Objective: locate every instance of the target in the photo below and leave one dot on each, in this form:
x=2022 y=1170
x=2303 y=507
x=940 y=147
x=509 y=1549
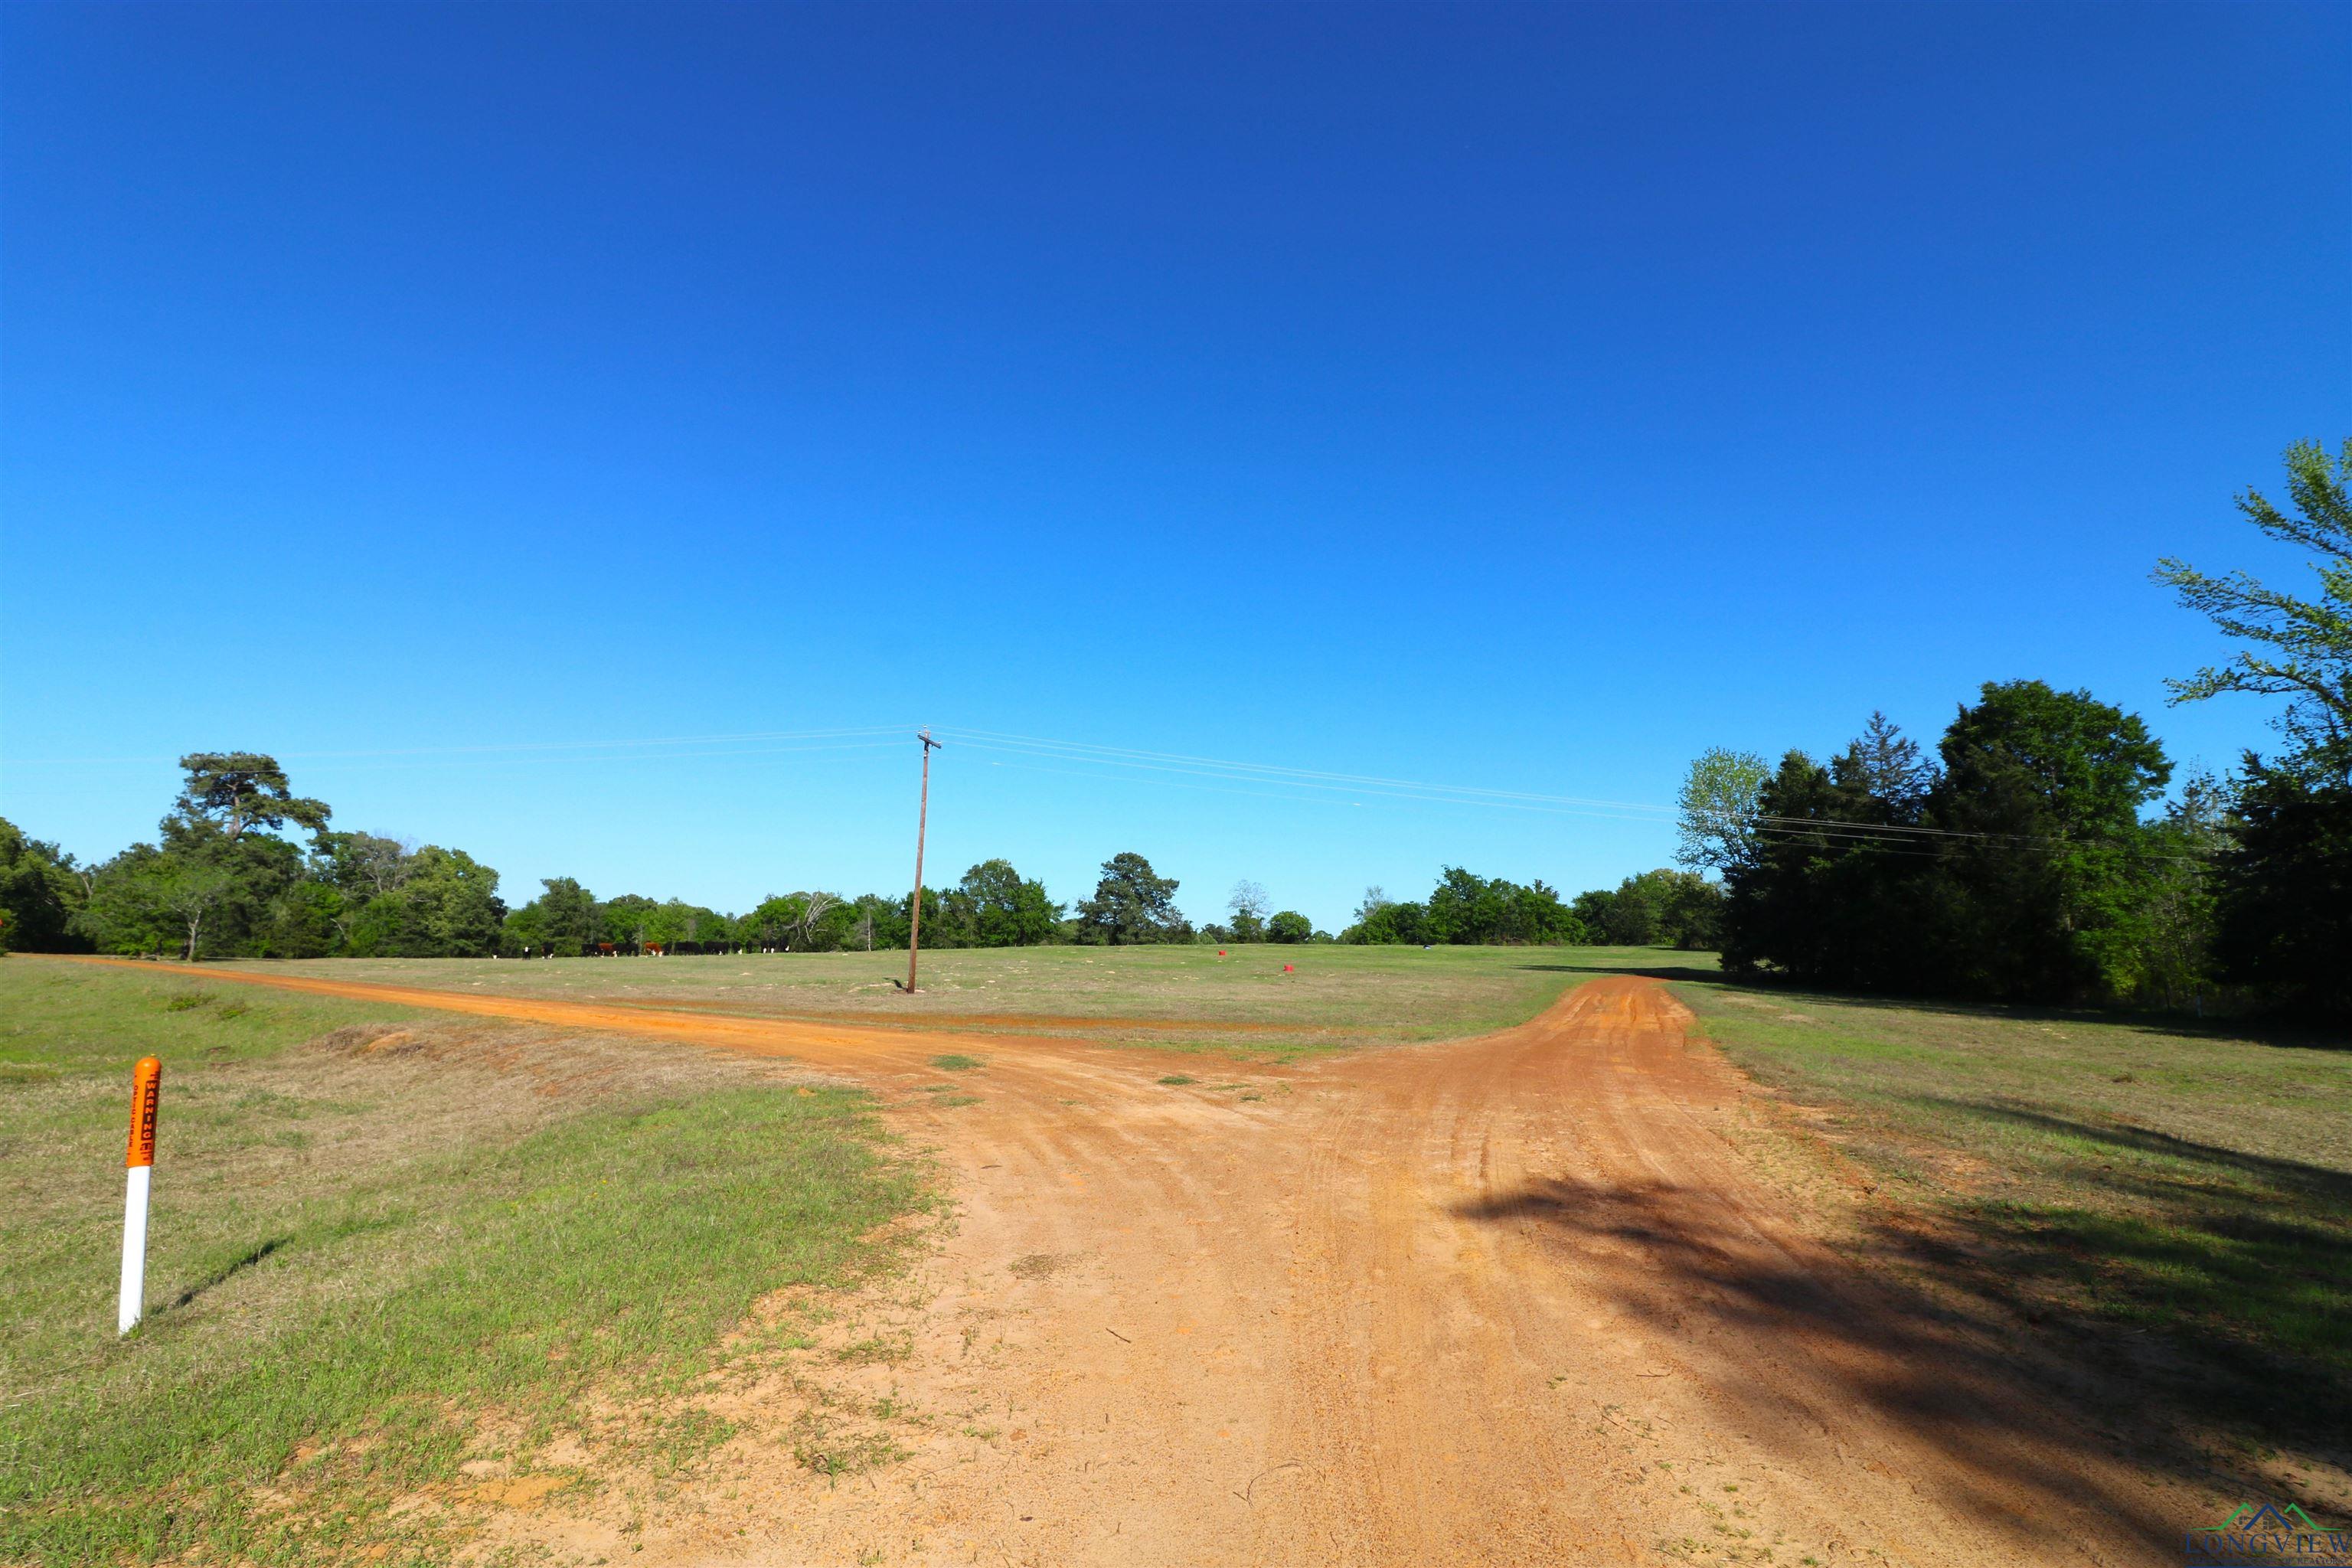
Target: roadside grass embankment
x=401 y=1265
x=1169 y=998
x=2178 y=1196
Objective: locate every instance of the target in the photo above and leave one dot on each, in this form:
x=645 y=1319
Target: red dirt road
x=1514 y=1300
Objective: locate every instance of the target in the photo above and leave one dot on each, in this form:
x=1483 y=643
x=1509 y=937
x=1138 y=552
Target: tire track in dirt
x=1511 y=1299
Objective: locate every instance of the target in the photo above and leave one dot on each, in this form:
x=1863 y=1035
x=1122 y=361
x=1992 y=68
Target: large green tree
x=2046 y=868
x=1468 y=908
x=237 y=792
x=2283 y=881
x=563 y=922
x=2021 y=870
x=39 y=895
x=146 y=900
x=1384 y=922
x=1007 y=909
x=1132 y=904
x=2285 y=892
x=446 y=907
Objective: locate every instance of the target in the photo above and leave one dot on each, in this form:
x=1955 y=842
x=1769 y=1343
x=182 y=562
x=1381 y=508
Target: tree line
x=225 y=880
x=2037 y=852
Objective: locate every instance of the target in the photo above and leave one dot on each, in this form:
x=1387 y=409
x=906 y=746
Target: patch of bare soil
x=1541 y=1297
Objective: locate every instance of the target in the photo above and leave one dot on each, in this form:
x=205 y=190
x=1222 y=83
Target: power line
x=538 y=746
x=1327 y=786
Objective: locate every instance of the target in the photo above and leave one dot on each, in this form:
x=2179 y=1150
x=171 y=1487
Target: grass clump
x=954 y=1063
x=1178 y=1079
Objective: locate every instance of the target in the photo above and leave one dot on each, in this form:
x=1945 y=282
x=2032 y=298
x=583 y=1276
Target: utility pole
x=915 y=907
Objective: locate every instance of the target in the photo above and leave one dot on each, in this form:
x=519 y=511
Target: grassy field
x=1170 y=997
x=391 y=1251
x=356 y=1201
x=2179 y=1195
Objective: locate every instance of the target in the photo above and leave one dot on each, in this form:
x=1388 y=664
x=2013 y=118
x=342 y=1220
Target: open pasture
x=2112 y=1252
x=1182 y=997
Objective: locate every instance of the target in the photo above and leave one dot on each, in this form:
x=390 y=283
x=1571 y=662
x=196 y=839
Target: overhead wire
x=1324 y=785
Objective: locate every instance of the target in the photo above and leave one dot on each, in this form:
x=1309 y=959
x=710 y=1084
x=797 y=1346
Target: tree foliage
x=1466 y=907
x=39 y=894
x=1132 y=904
x=2299 y=649
x=2285 y=891
x=2282 y=877
x=1716 y=826
x=1662 y=907
x=2021 y=870
x=235 y=791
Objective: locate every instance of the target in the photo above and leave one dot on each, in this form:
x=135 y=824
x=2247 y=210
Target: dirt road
x=1526 y=1299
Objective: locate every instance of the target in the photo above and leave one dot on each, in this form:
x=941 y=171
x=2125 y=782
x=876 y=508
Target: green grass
x=2150 y=1180
x=956 y=1063
x=1171 y=998
x=380 y=1247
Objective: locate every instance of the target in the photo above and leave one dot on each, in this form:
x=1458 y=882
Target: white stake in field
x=146 y=1087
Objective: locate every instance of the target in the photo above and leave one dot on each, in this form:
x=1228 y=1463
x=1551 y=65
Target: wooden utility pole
x=915 y=907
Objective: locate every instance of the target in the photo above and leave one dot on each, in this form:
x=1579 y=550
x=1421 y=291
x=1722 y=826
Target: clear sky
x=1514 y=399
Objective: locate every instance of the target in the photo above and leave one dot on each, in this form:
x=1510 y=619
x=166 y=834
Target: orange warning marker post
x=146 y=1088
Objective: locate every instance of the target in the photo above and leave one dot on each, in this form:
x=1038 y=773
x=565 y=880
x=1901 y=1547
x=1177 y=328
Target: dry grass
x=1167 y=997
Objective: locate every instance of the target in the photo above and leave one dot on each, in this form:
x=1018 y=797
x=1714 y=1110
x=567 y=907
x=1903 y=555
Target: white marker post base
x=134 y=1250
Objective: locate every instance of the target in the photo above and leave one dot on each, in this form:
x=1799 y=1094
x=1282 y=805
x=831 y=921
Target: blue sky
x=1521 y=398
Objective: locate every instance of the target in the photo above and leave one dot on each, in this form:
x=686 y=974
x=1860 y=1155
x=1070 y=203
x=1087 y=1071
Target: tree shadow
x=2320 y=1181
x=2242 y=1261
x=1948 y=1337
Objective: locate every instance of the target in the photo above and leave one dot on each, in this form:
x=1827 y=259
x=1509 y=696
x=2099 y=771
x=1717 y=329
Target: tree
x=1248 y=904
x=2024 y=871
x=2046 y=865
x=365 y=864
x=877 y=922
x=1005 y=910
x=2285 y=894
x=235 y=791
x=39 y=894
x=2179 y=907
x=2302 y=648
x=1132 y=904
x=450 y=906
x=626 y=921
x=146 y=897
x=311 y=918
x=1390 y=923
x=1662 y=907
x=813 y=906
x=1889 y=766
x=566 y=919
x=1468 y=908
x=2278 y=895
x=1719 y=808
x=1374 y=901
x=1289 y=926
